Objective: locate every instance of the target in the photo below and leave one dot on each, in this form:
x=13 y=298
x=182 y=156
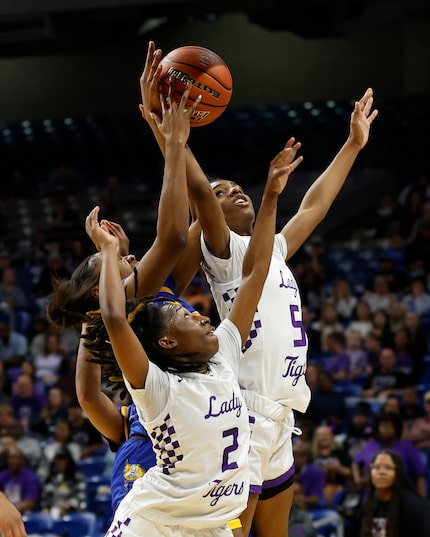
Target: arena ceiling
x=50 y=27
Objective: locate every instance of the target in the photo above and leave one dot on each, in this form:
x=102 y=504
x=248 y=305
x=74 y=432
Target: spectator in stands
x=26 y=403
x=379 y=297
x=6 y=442
x=7 y=418
x=387 y=434
x=362 y=319
x=373 y=348
x=381 y=326
x=328 y=322
x=332 y=459
x=417 y=431
x=392 y=506
x=396 y=278
x=337 y=359
x=311 y=289
x=417 y=345
x=388 y=217
x=343 y=299
x=401 y=350
x=300 y=523
x=418 y=251
x=357 y=356
x=12 y=296
x=422 y=220
x=411 y=407
x=397 y=316
x=64 y=489
x=51 y=364
x=412 y=211
x=29 y=445
x=42 y=328
x=83 y=432
x=19 y=483
x=77 y=250
x=310 y=476
x=28 y=368
x=392 y=405
x=327 y=405
x=417 y=299
x=62 y=439
x=420 y=184
x=13 y=347
x=386 y=378
x=54 y=410
x=56 y=267
x=359 y=429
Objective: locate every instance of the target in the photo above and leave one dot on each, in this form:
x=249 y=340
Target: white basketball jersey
x=201 y=441
x=274 y=362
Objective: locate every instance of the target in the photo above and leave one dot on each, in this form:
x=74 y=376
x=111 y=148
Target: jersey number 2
x=226 y=465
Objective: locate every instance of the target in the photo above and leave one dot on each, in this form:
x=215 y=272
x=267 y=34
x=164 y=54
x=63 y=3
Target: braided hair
x=148 y=317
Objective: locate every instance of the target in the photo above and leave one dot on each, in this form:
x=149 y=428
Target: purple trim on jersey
x=271 y=483
x=115 y=530
x=228 y=298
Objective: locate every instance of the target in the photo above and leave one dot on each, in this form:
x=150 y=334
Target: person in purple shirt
x=337 y=360
x=27 y=404
x=310 y=476
x=387 y=433
x=20 y=484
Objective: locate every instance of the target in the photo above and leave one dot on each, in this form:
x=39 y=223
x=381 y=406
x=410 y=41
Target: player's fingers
x=185 y=95
x=295 y=163
x=149 y=54
x=190 y=111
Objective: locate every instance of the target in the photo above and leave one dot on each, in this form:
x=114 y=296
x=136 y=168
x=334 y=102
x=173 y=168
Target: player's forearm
x=259 y=251
x=173 y=210
x=325 y=189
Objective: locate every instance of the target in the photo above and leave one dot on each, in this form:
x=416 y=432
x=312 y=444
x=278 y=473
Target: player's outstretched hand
x=98 y=233
x=175 y=120
x=282 y=166
x=149 y=83
x=361 y=118
x=117 y=230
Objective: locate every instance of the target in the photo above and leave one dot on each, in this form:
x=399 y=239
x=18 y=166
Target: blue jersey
x=133 y=456
x=168 y=290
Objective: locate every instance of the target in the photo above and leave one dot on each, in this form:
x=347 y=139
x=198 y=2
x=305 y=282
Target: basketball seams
x=195 y=63
x=191 y=98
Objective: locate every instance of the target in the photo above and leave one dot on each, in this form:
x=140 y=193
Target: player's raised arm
x=321 y=195
x=259 y=252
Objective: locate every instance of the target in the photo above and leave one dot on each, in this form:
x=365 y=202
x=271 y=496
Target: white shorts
x=142 y=527
x=271 y=458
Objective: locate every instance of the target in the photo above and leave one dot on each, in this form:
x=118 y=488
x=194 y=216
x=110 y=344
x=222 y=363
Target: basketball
x=210 y=77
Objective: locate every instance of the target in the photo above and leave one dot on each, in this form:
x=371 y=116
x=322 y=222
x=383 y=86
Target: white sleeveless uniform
x=272 y=372
x=198 y=424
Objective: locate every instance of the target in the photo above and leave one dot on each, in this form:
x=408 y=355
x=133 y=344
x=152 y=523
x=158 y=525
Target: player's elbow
x=178 y=242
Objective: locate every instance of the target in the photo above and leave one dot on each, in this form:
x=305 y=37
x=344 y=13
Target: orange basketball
x=210 y=76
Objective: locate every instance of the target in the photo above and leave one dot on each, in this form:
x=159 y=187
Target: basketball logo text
x=184 y=77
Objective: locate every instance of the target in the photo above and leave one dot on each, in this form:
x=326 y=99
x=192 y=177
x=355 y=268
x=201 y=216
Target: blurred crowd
x=366 y=311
